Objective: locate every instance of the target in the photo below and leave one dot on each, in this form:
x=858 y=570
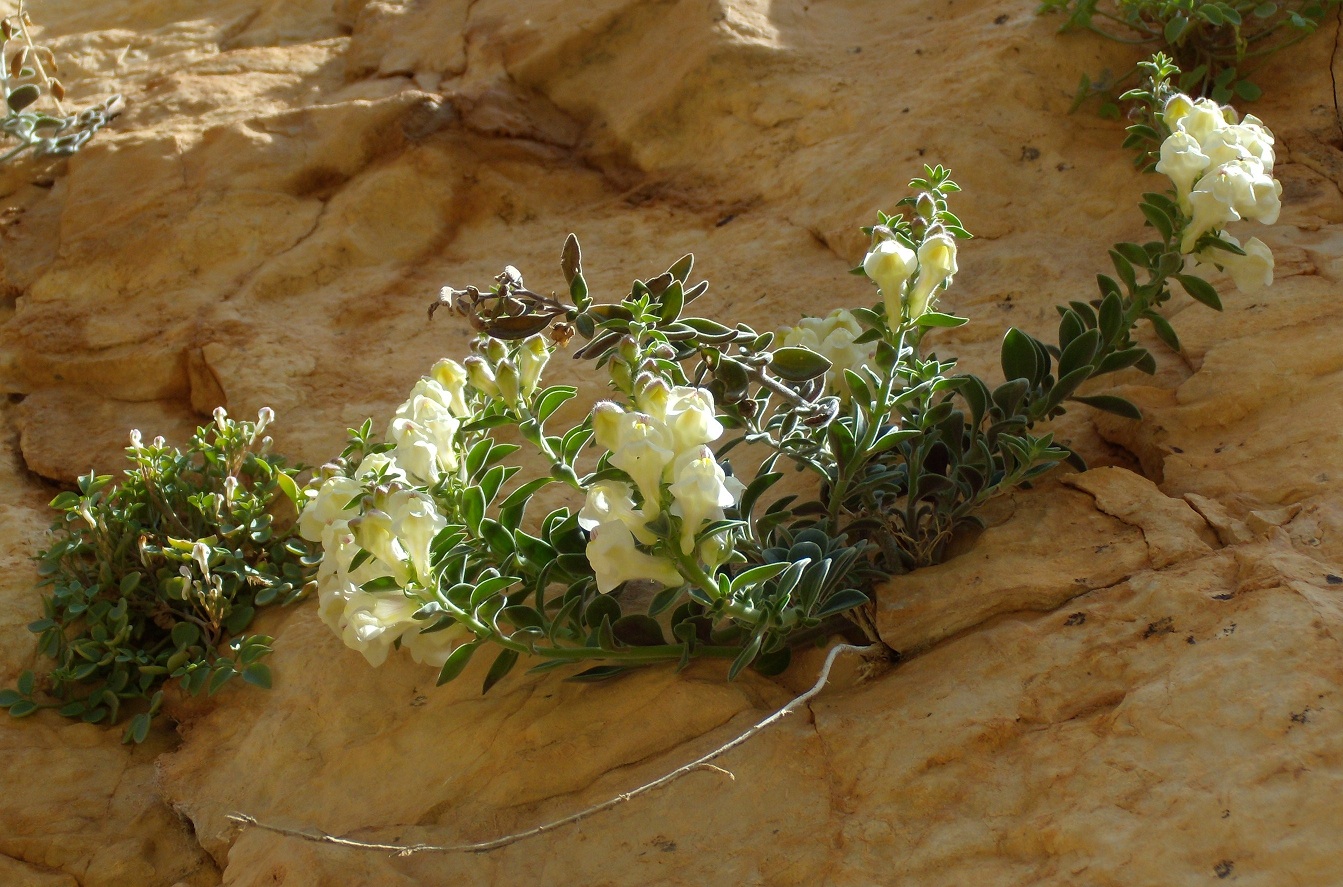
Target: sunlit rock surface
x=1127 y=680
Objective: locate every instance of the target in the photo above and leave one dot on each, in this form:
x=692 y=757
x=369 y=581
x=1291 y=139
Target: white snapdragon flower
x=425 y=432
x=451 y=375
x=640 y=446
x=616 y=559
x=371 y=623
x=1250 y=272
x=1236 y=190
x=891 y=264
x=610 y=500
x=832 y=337
x=327 y=505
x=533 y=355
x=692 y=418
x=415 y=522
x=1249 y=138
x=1183 y=161
x=700 y=490
x=937 y=264
x=1197 y=117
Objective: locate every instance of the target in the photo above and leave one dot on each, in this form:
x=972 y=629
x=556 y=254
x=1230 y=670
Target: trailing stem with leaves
x=34 y=115
x=157 y=578
x=1219 y=44
x=667 y=550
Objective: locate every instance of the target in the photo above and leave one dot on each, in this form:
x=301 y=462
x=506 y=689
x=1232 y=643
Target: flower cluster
x=662 y=448
x=909 y=279
x=1222 y=169
x=833 y=337
x=376 y=529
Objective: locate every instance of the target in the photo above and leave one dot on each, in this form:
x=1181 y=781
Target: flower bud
x=532 y=359
x=230 y=488
x=481 y=377
x=620 y=375
x=926 y=207
x=495 y=350
x=263 y=418
x=628 y=350
x=606 y=425
x=220 y=415
x=652 y=394
x=509 y=380
x=200 y=553
x=135 y=438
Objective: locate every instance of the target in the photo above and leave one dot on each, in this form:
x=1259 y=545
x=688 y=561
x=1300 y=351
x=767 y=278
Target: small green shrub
x=1218 y=44
x=158 y=577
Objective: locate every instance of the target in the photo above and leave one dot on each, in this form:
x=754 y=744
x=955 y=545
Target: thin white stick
x=485 y=846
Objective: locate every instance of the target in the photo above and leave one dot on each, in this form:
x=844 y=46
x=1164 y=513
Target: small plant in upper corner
x=1218 y=44
x=665 y=551
x=158 y=577
x=34 y=114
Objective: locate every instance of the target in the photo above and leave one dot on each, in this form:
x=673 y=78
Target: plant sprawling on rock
x=666 y=552
x=151 y=576
x=1218 y=44
x=24 y=82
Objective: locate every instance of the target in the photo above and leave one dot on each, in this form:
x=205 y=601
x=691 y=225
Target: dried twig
x=485 y=846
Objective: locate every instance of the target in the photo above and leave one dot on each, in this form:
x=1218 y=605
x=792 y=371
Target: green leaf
x=638 y=631
x=757 y=575
x=1248 y=91
x=27 y=680
x=258 y=675
x=1200 y=290
x=22 y=708
x=137 y=730
x=1111 y=404
x=9 y=697
x=552 y=399
x=456 y=662
x=503 y=664
x=840 y=602
x=222 y=673
x=22 y=96
x=797 y=364
x=596 y=673
x=680 y=269
x=934 y=319
x=1019 y=357
x=1175 y=29
x=288 y=487
x=745 y=657
x=1165 y=332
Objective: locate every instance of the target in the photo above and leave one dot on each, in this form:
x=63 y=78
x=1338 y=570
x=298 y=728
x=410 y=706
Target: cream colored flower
x=1237 y=190
x=700 y=491
x=451 y=376
x=890 y=264
x=832 y=337
x=533 y=355
x=1250 y=272
x=615 y=559
x=610 y=500
x=1183 y=161
x=937 y=264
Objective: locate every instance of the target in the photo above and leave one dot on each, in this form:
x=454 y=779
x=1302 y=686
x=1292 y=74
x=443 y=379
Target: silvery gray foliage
x=25 y=82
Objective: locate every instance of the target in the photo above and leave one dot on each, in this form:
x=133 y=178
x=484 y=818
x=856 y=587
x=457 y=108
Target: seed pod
x=17 y=61
x=7 y=29
x=50 y=59
x=57 y=89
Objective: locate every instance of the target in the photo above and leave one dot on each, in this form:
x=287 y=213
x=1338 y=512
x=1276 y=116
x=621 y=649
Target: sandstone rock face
x=1132 y=677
